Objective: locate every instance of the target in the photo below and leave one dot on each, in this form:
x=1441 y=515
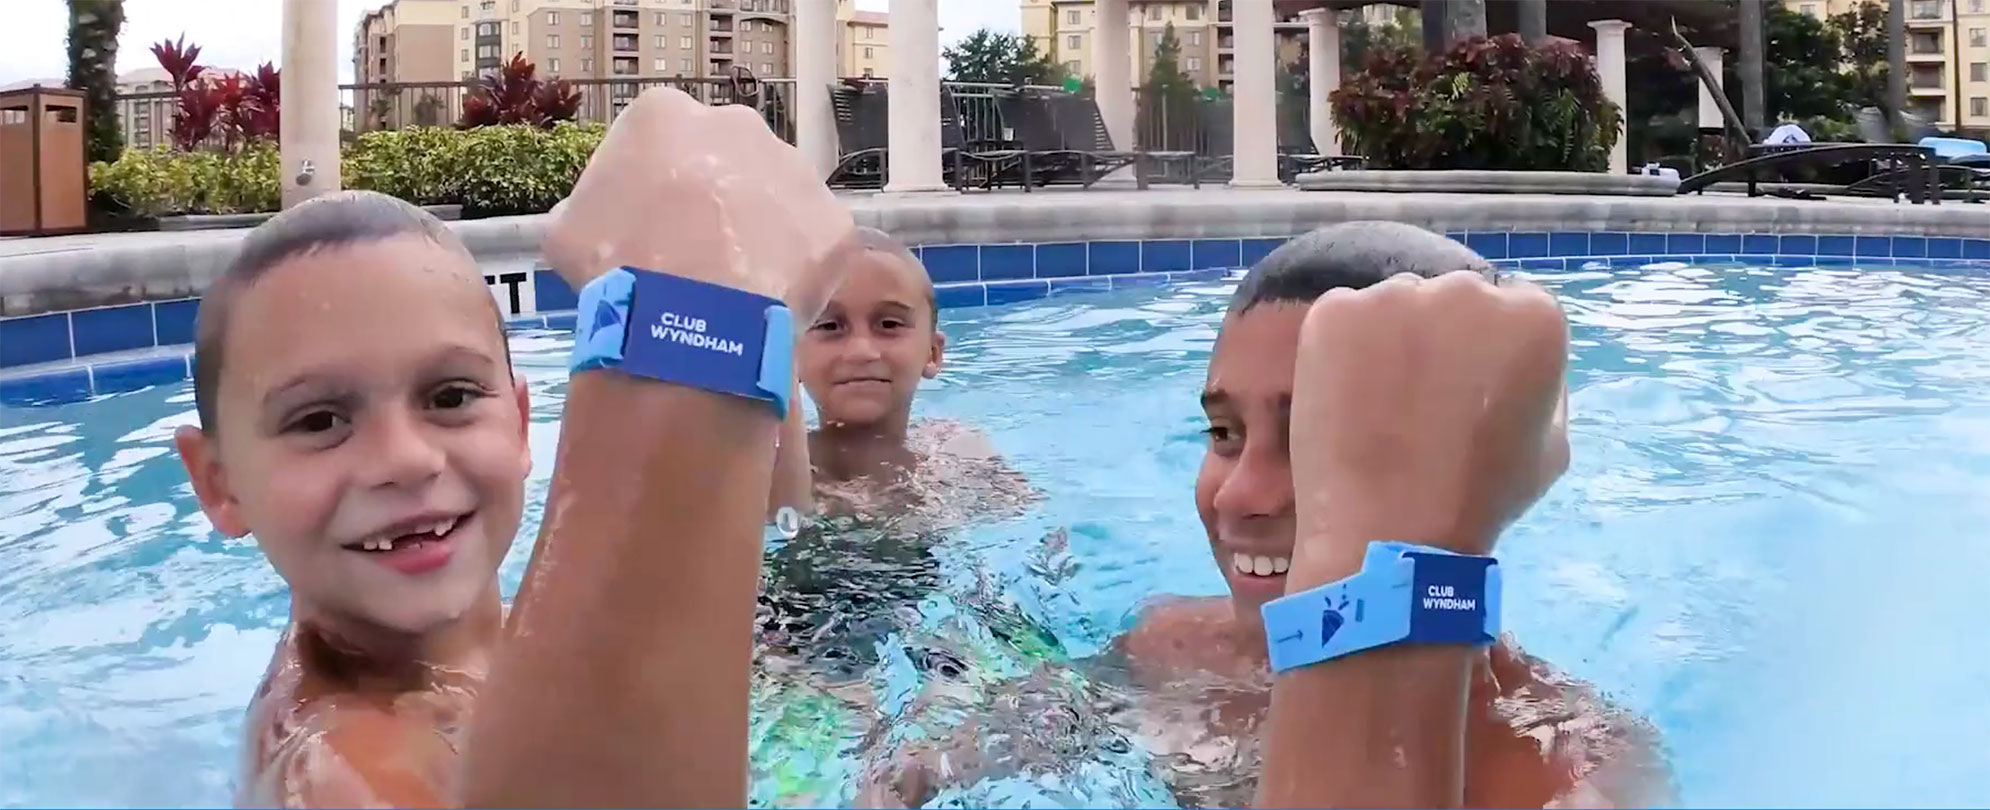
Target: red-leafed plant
x=1486 y=103
x=178 y=60
x=238 y=109
x=260 y=111
x=514 y=95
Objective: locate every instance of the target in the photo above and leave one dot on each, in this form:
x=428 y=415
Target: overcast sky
x=242 y=33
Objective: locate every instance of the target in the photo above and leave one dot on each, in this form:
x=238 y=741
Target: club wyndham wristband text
x=1403 y=593
x=688 y=332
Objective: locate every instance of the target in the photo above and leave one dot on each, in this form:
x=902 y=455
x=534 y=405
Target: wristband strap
x=688 y=332
x=1404 y=592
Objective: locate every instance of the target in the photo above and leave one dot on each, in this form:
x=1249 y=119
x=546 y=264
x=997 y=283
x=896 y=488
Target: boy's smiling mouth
x=415 y=546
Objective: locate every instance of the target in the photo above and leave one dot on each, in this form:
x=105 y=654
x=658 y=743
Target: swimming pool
x=1770 y=541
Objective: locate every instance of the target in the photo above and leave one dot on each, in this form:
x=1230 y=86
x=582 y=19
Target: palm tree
x=93 y=30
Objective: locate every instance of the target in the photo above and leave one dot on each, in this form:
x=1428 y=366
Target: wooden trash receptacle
x=42 y=174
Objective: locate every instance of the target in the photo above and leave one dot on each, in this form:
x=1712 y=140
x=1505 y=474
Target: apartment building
x=1948 y=57
x=864 y=43
x=1063 y=29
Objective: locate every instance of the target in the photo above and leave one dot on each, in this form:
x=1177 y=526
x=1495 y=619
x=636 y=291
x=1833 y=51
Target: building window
x=488 y=5
x=1809 y=9
x=1977 y=105
x=1976 y=71
x=867 y=33
x=1195 y=38
x=662 y=42
x=1073 y=42
x=684 y=66
x=514 y=6
x=587 y=19
x=684 y=42
x=587 y=42
x=1071 y=17
x=1976 y=37
x=466 y=12
x=684 y=19
x=766 y=68
x=464 y=33
x=767 y=47
x=868 y=54
x=662 y=18
x=1976 y=6
x=552 y=18
x=487 y=30
x=660 y=64
x=1925 y=10
x=1195 y=12
x=553 y=66
x=587 y=66
x=466 y=55
x=1194 y=63
x=553 y=41
x=514 y=27
x=1072 y=67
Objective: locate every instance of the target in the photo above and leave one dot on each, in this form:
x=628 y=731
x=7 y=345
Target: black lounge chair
x=863 y=130
x=1065 y=140
x=1298 y=154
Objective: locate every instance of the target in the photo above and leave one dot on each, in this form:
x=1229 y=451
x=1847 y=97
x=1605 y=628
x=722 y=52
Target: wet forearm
x=794 y=478
x=642 y=590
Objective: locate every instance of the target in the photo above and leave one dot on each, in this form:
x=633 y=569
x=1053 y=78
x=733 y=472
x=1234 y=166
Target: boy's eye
x=1222 y=436
x=320 y=421
x=891 y=323
x=456 y=396
x=825 y=326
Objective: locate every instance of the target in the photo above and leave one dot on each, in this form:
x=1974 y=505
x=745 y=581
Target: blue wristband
x=688 y=332
x=1403 y=593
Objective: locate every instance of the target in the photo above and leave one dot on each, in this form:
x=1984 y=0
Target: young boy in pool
x=1513 y=731
x=359 y=416
x=861 y=363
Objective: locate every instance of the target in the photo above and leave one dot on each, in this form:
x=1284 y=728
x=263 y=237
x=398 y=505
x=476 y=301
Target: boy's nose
x=862 y=347
x=399 y=452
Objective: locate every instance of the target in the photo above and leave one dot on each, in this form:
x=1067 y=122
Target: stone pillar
x=1534 y=21
x=1255 y=100
x=1610 y=70
x=308 y=137
x=1112 y=69
x=1322 y=76
x=815 y=32
x=915 y=98
x=1710 y=110
x=1753 y=108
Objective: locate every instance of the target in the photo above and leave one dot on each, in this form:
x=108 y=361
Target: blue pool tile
x=34 y=339
x=1007 y=262
x=1609 y=243
x=111 y=329
x=1210 y=254
x=1114 y=258
x=1756 y=259
x=1646 y=244
x=1163 y=255
x=1728 y=243
x=1909 y=247
x=1543 y=264
x=173 y=321
x=1490 y=244
x=1060 y=259
x=1944 y=247
x=1526 y=244
x=1873 y=246
x=1760 y=244
x=560 y=320
x=131 y=375
x=1976 y=248
x=1839 y=261
x=1139 y=280
x=1256 y=249
x=1798 y=245
x=1835 y=246
x=1686 y=243
x=517 y=323
x=1573 y=243
x=949 y=264
x=1005 y=292
x=960 y=295
x=550 y=293
x=1458 y=236
x=1070 y=286
x=66 y=385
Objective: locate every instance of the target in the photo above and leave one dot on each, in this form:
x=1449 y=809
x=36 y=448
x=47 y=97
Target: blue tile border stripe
x=59 y=356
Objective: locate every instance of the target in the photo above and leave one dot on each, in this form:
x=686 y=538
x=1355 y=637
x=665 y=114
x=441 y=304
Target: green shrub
x=511 y=169
x=1487 y=103
x=161 y=182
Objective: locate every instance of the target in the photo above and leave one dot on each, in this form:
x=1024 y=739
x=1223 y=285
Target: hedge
x=487 y=170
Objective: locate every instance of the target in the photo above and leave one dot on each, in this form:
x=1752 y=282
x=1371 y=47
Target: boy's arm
x=794 y=479
x=1425 y=411
x=623 y=679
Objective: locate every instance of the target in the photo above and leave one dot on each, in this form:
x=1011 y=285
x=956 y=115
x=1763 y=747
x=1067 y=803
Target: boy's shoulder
x=955 y=440
x=1175 y=634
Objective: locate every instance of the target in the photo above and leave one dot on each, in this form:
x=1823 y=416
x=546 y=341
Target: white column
x=1610 y=71
x=815 y=35
x=1256 y=97
x=1710 y=111
x=1323 y=76
x=308 y=136
x=915 y=98
x=1112 y=70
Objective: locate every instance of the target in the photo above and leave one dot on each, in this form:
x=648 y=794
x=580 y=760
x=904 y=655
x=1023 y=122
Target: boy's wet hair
x=878 y=241
x=1351 y=255
x=329 y=221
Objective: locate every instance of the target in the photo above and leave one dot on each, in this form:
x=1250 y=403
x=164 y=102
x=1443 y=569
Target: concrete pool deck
x=52 y=274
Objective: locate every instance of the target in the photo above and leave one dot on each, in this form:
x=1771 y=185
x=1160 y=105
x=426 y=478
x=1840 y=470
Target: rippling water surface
x=1771 y=541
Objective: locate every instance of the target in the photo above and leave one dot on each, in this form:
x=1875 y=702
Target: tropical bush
x=1486 y=103
x=507 y=169
x=235 y=109
x=513 y=94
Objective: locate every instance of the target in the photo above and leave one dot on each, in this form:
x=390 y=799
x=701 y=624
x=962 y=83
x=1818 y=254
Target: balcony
x=623 y=66
x=625 y=19
x=625 y=43
x=722 y=26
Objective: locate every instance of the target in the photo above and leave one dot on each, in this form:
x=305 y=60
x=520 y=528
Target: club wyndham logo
x=1332 y=618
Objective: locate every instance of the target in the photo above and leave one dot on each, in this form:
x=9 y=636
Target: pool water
x=1771 y=542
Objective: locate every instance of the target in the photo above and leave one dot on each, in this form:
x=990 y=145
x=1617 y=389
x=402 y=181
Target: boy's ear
x=937 y=357
x=210 y=483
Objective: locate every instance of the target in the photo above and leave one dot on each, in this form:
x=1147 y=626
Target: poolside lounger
x=1298 y=154
x=863 y=125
